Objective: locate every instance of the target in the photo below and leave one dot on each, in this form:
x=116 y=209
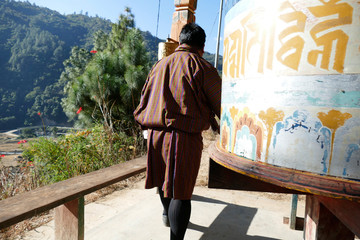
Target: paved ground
x=135 y=213
x=216 y=214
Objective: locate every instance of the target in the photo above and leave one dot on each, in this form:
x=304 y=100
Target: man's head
x=193 y=35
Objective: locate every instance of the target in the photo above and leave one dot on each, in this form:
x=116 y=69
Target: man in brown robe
x=179 y=100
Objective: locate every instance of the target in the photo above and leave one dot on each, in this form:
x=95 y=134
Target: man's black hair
x=193 y=35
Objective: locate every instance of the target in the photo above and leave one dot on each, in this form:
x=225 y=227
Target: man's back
x=182 y=92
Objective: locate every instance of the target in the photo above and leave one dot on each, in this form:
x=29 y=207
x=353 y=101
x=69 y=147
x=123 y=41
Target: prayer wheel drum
x=291 y=90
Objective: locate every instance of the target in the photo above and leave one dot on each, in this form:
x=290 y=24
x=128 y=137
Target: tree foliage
x=35 y=42
x=108 y=88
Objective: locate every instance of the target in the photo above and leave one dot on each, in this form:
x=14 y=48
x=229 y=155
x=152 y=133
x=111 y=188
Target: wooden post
x=184 y=13
x=69 y=220
x=348 y=212
x=294 y=202
x=321 y=224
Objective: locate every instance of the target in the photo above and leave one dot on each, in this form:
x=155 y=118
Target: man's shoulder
x=190 y=56
x=196 y=57
x=207 y=63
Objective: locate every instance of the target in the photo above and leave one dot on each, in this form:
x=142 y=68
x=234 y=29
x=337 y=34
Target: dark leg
x=179 y=216
x=166 y=203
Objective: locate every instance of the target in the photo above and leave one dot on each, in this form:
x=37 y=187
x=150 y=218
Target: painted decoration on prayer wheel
x=291 y=84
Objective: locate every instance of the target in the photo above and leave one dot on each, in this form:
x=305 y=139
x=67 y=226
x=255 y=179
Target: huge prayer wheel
x=291 y=93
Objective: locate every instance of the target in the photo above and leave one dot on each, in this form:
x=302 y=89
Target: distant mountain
x=34 y=43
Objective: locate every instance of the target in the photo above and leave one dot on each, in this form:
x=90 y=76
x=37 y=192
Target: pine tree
x=108 y=90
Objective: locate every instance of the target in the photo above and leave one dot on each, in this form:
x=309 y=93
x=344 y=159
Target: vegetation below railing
x=17 y=211
x=49 y=160
x=14 y=180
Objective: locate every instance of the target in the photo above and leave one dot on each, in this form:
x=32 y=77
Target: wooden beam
x=16 y=209
x=309 y=183
x=321 y=224
x=224 y=178
x=348 y=212
x=69 y=220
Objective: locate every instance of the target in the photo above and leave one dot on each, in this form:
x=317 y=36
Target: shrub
x=78 y=153
x=27 y=133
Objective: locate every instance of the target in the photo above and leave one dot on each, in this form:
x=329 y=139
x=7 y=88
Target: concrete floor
x=216 y=214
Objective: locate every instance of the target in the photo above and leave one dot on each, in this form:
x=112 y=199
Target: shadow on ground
x=232 y=223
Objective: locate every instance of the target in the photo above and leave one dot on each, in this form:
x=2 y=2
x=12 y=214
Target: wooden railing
x=67 y=197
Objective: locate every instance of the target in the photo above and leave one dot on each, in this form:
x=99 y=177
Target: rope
x=157 y=24
x=215 y=18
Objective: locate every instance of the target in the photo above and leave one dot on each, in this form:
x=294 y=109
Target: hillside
x=34 y=42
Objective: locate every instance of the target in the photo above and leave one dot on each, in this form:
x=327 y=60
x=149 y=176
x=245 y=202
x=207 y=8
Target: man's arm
x=212 y=89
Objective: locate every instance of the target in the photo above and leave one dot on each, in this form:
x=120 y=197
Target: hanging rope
x=212 y=28
x=158 y=17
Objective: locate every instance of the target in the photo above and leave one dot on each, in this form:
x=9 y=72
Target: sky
x=146 y=14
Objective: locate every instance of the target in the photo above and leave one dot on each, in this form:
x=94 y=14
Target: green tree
x=120 y=29
x=136 y=61
x=75 y=65
x=109 y=88
x=34 y=43
x=100 y=40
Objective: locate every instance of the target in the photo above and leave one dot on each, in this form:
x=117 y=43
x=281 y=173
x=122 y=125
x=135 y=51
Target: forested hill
x=34 y=43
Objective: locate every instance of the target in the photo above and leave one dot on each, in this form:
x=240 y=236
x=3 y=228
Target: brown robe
x=179 y=99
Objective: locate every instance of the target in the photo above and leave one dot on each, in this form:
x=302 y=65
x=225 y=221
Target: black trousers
x=178 y=212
